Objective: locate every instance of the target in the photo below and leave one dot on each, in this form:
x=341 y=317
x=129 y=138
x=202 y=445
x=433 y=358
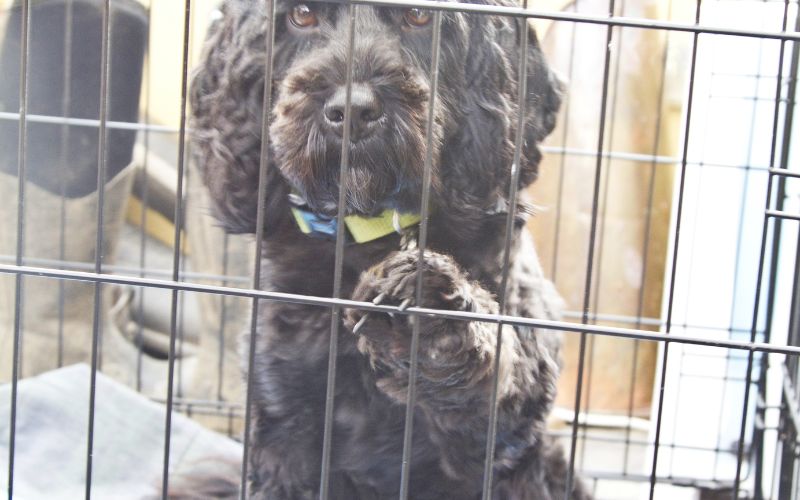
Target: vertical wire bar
x=177 y=243
x=680 y=372
x=18 y=285
x=689 y=263
x=646 y=240
x=64 y=158
x=98 y=255
x=145 y=195
x=223 y=312
x=796 y=478
x=673 y=272
x=590 y=258
x=777 y=231
x=186 y=153
x=266 y=105
x=181 y=314
x=563 y=159
x=181 y=324
x=522 y=94
x=601 y=238
x=775 y=461
x=763 y=251
x=411 y=399
x=729 y=356
x=336 y=312
x=690 y=266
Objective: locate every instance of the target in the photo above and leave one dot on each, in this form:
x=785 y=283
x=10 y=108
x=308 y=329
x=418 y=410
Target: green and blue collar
x=358 y=229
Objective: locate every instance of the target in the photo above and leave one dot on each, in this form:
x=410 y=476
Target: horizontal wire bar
x=746 y=98
x=639 y=442
x=676 y=480
x=88 y=122
x=621 y=21
x=147 y=271
x=156 y=272
x=616 y=155
x=784 y=172
x=227 y=405
x=645 y=158
x=778 y=214
x=232 y=279
x=225 y=408
x=719 y=378
x=616 y=318
x=756 y=76
x=218 y=413
x=629 y=333
x=632 y=319
x=714 y=356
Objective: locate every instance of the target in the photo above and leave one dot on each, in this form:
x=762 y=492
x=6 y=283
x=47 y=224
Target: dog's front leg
x=457 y=359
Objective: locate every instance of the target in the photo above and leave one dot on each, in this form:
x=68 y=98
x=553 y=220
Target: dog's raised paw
x=393 y=281
x=386 y=338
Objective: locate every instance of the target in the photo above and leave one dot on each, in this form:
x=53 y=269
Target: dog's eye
x=303 y=16
x=417 y=17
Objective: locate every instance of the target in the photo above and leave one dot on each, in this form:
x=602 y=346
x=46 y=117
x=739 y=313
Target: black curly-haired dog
x=475 y=116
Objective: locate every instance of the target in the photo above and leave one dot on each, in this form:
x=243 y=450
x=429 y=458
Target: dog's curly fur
x=475 y=116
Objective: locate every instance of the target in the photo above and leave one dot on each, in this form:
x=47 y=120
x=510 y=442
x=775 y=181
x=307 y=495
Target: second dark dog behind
x=475 y=116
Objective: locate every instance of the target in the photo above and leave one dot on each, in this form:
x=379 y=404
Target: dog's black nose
x=366 y=111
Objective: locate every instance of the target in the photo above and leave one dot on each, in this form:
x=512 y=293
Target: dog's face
x=389 y=101
x=475 y=110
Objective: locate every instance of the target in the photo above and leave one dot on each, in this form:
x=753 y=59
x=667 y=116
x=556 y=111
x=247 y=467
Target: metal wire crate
x=721 y=409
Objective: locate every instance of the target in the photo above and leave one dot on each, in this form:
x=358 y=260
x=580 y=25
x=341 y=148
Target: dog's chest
x=367 y=439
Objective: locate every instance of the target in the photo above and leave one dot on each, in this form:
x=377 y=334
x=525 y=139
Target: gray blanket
x=51 y=438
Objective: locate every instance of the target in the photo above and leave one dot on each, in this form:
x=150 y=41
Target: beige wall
x=166 y=53
x=627 y=278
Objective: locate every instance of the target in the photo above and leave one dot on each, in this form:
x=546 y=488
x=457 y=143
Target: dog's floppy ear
x=477 y=159
x=544 y=90
x=226 y=98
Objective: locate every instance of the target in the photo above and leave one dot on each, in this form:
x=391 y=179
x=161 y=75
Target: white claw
x=360 y=323
x=404 y=305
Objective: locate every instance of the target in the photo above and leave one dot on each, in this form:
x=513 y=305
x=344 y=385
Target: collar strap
x=360 y=229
